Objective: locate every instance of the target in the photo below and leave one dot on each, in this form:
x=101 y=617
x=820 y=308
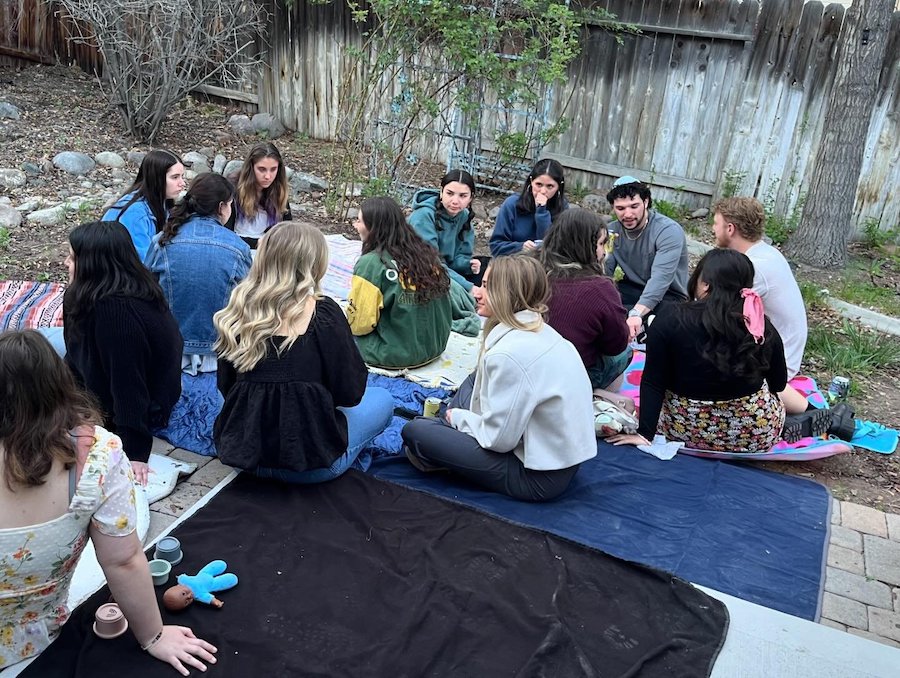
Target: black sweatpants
x=437 y=443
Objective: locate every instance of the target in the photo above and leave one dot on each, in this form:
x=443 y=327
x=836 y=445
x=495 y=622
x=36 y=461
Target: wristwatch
x=634 y=313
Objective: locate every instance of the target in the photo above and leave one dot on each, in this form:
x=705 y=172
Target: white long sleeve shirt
x=531 y=397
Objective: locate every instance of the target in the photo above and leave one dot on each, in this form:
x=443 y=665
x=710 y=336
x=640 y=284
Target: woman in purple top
x=585 y=306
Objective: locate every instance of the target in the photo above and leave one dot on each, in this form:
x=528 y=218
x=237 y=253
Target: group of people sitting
x=162 y=292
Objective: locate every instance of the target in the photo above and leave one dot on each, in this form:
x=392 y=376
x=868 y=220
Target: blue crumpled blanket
x=191 y=423
x=407 y=396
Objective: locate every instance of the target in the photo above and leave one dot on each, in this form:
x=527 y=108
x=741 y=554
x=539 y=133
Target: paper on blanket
x=342 y=256
x=456 y=363
x=661 y=448
x=163 y=476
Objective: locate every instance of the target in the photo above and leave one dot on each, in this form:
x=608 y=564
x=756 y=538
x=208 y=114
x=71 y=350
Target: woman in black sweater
x=122 y=342
x=715 y=365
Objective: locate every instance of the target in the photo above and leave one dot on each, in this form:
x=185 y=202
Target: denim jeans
x=364 y=422
x=55 y=336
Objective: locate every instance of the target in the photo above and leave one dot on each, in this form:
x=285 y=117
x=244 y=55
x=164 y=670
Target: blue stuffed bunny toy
x=210 y=579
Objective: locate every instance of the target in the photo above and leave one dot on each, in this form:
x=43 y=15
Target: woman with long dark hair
x=122 y=342
x=527 y=425
x=525 y=218
x=585 y=306
x=400 y=293
x=715 y=365
x=198 y=261
x=443 y=219
x=261 y=194
x=144 y=208
x=63 y=479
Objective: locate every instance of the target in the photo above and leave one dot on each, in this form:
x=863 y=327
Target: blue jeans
x=364 y=422
x=55 y=336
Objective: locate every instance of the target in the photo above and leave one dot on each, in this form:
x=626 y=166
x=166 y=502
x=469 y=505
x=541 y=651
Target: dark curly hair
x=636 y=188
x=460 y=177
x=418 y=263
x=730 y=346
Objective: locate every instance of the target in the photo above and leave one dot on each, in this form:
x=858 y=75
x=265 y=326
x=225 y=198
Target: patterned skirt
x=749 y=424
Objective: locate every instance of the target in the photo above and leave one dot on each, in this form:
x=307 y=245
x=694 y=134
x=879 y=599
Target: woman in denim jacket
x=198 y=261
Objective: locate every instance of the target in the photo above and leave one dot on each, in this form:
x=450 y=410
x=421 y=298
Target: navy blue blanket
x=754 y=534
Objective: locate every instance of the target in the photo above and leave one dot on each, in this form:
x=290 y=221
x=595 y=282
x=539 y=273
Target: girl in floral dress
x=715 y=365
x=64 y=480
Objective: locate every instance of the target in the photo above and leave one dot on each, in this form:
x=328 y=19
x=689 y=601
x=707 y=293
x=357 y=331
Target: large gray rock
x=193 y=157
x=219 y=164
x=268 y=125
x=74 y=162
x=7 y=110
x=594 y=202
x=233 y=167
x=9 y=217
x=208 y=152
x=241 y=125
x=109 y=159
x=135 y=157
x=493 y=212
x=200 y=168
x=48 y=217
x=701 y=213
x=304 y=182
x=12 y=178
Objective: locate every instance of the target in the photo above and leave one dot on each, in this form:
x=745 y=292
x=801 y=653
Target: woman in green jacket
x=399 y=306
x=443 y=219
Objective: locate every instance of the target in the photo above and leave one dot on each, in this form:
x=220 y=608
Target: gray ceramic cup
x=169 y=548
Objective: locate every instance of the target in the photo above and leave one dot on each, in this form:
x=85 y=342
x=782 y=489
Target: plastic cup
x=109 y=622
x=159 y=571
x=169 y=548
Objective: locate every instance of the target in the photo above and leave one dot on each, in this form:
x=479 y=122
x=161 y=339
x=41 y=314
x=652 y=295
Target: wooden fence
x=709 y=91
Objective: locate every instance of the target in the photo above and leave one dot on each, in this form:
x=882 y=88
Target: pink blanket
x=26 y=304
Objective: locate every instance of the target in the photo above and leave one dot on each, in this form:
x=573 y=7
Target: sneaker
x=843 y=424
x=810 y=424
x=419 y=463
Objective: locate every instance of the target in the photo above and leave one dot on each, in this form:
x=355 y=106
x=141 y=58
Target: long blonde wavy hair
x=516 y=283
x=288 y=270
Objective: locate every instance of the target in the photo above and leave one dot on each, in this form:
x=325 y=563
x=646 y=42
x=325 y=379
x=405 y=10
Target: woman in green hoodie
x=443 y=220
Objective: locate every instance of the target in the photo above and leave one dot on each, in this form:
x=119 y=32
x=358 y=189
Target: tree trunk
x=824 y=232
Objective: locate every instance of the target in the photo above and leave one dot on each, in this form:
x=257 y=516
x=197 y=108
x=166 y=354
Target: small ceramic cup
x=159 y=571
x=109 y=622
x=169 y=548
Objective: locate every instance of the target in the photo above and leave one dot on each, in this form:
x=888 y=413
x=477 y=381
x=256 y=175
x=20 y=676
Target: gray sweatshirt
x=656 y=260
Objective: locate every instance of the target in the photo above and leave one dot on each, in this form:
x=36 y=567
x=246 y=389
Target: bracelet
x=153 y=642
x=634 y=313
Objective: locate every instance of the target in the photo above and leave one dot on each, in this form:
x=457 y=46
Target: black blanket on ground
x=361 y=577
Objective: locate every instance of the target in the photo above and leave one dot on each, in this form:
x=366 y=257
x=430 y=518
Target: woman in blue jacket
x=442 y=219
x=524 y=219
x=198 y=261
x=143 y=210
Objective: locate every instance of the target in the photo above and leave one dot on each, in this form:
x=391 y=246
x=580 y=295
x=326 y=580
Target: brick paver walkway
x=862 y=583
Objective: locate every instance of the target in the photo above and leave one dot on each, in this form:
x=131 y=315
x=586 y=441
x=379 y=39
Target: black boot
x=811 y=424
x=843 y=421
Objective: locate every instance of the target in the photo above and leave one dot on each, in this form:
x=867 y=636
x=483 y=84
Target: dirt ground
x=62 y=109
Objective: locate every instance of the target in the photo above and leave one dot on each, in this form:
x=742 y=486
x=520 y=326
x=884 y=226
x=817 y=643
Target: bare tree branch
x=156 y=51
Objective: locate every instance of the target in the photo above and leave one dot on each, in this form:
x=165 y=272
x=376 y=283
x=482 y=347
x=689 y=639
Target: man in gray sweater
x=651 y=250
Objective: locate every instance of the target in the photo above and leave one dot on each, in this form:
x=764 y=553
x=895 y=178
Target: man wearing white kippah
x=651 y=250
